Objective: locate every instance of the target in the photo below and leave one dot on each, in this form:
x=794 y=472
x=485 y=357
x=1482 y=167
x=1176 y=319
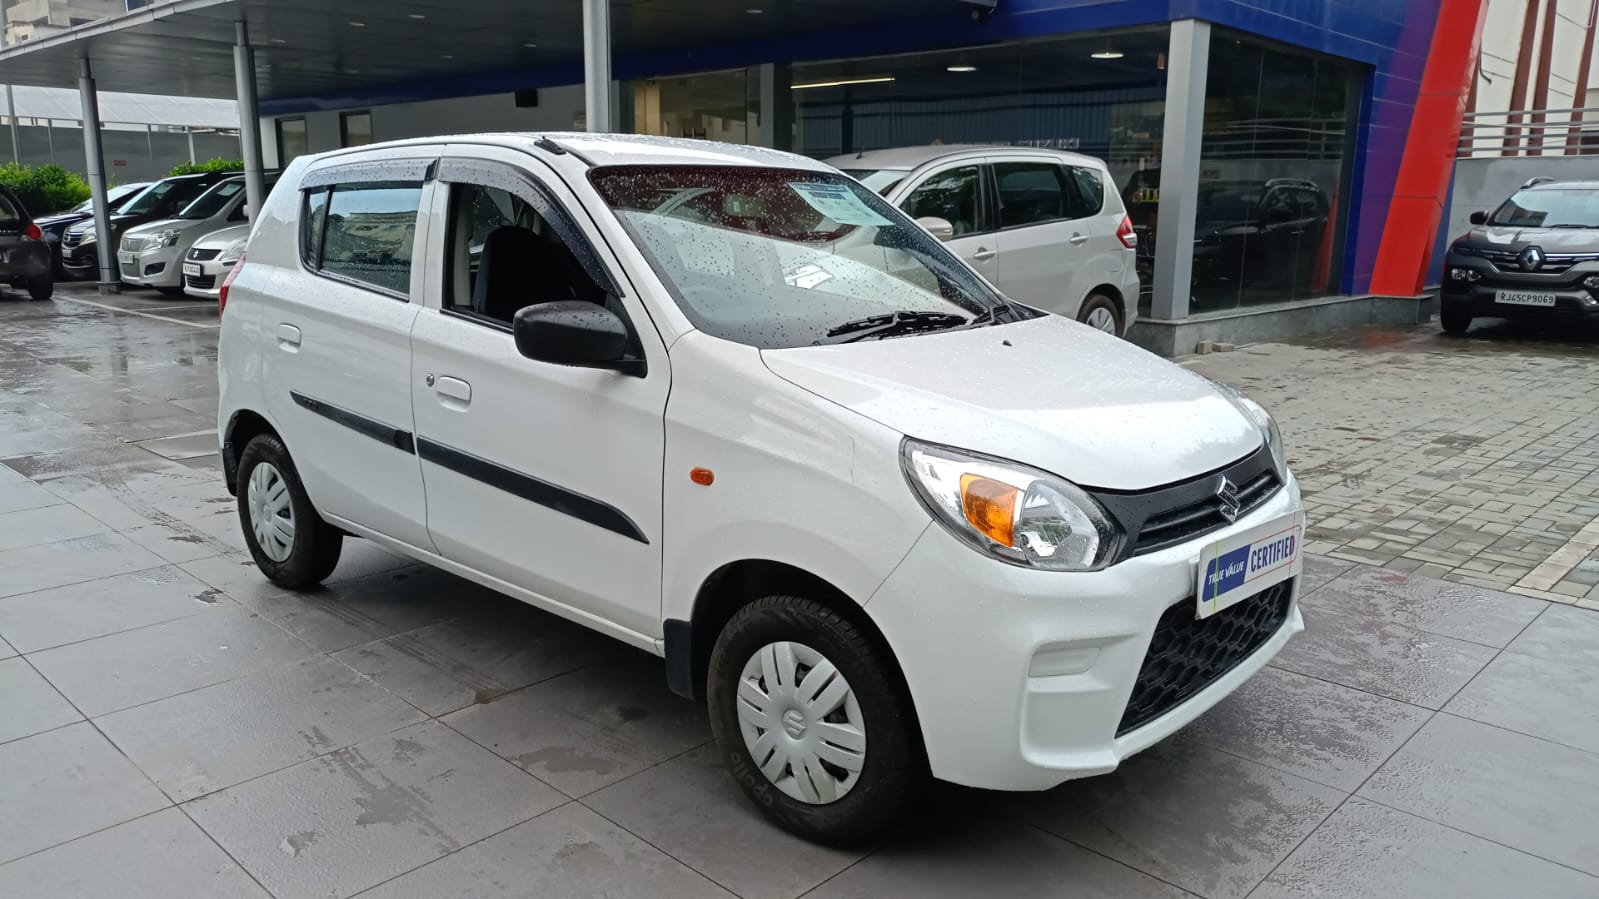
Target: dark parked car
x=53 y=226
x=161 y=200
x=1536 y=256
x=1257 y=232
x=24 y=256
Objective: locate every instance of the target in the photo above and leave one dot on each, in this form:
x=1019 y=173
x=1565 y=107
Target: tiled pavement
x=171 y=725
x=1472 y=460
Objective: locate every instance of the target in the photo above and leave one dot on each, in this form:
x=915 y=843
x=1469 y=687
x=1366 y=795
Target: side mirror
x=1479 y=218
x=940 y=228
x=575 y=333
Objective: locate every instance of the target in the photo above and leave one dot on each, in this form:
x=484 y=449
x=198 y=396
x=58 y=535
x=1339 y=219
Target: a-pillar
x=1188 y=62
x=95 y=164
x=249 y=118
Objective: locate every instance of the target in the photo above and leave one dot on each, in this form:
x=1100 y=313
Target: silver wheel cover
x=801 y=723
x=1101 y=319
x=271 y=514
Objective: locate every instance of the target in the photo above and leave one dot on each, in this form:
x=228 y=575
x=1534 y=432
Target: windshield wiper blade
x=1572 y=225
x=906 y=322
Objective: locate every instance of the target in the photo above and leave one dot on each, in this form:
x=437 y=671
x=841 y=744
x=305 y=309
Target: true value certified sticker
x=1244 y=564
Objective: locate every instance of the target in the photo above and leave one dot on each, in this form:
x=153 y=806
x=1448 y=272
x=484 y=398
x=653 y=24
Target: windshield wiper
x=892 y=324
x=1571 y=225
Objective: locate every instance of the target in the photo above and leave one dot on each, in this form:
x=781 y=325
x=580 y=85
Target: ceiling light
x=1108 y=54
x=357 y=24
x=754 y=12
x=961 y=68
x=416 y=15
x=279 y=40
x=447 y=56
x=878 y=79
x=530 y=46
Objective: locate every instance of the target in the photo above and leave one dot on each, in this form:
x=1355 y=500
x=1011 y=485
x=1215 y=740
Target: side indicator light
x=702 y=476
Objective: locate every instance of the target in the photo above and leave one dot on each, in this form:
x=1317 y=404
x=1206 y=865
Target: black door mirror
x=1479 y=218
x=576 y=333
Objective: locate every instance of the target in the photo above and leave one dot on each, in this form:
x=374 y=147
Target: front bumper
x=151 y=267
x=1479 y=301
x=1020 y=678
x=208 y=283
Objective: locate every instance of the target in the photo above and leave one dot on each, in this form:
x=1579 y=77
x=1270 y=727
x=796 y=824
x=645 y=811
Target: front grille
x=132 y=244
x=200 y=282
x=199 y=255
x=70 y=240
x=1510 y=260
x=1188 y=654
x=130 y=270
x=1176 y=513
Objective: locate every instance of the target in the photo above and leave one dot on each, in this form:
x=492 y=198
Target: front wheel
x=1455 y=321
x=809 y=718
x=1101 y=313
x=289 y=541
x=42 y=289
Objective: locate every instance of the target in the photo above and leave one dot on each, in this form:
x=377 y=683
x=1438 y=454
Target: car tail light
x=222 y=293
x=1126 y=234
x=32 y=232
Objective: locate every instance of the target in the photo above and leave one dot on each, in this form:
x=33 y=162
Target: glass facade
x=1274 y=174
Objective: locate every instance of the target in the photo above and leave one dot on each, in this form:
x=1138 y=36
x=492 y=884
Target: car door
x=1043 y=253
x=957 y=193
x=544 y=476
x=337 y=328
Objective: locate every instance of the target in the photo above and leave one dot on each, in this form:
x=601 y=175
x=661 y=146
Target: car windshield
x=164 y=197
x=781 y=258
x=1567 y=207
x=880 y=180
x=1227 y=201
x=212 y=201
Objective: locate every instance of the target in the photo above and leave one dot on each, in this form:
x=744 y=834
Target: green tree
x=210 y=165
x=44 y=189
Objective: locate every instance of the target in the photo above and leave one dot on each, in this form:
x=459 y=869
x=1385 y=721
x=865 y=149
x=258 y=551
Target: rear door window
x=368 y=233
x=954 y=195
x=1030 y=193
x=1087 y=196
x=11 y=213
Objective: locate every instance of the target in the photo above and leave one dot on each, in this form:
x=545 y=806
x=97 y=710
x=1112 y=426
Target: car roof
x=908 y=158
x=610 y=149
x=1557 y=185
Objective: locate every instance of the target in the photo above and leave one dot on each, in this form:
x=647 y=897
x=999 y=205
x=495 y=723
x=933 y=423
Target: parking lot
x=173 y=725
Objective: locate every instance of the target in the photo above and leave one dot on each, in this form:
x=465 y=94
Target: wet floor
x=173 y=725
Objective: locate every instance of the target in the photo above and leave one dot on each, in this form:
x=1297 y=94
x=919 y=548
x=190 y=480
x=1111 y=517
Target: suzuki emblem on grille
x=1532 y=259
x=1227 y=492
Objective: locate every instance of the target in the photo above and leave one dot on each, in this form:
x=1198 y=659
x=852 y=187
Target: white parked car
x=210 y=259
x=1046 y=227
x=151 y=255
x=731 y=407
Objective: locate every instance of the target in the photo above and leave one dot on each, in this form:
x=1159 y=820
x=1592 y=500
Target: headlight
x=1465 y=274
x=1268 y=426
x=162 y=239
x=86 y=233
x=1009 y=511
x=231 y=253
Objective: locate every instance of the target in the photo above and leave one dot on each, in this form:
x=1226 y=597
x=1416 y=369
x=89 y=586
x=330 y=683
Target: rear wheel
x=810 y=719
x=1454 y=320
x=42 y=289
x=1101 y=313
x=289 y=541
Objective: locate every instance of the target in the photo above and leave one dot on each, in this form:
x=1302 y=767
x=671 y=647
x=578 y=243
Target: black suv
x=24 y=256
x=1536 y=256
x=1258 y=232
x=161 y=200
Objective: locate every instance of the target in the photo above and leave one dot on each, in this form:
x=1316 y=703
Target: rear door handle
x=984 y=254
x=1077 y=240
x=455 y=392
x=289 y=337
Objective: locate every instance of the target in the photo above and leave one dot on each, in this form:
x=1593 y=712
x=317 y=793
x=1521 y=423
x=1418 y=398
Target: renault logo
x=1532 y=259
x=1227 y=493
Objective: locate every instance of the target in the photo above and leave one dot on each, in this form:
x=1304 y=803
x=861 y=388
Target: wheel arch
x=244 y=425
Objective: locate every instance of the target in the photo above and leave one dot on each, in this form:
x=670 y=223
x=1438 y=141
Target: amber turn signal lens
x=702 y=476
x=990 y=507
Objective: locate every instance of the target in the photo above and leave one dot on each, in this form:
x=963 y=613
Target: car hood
x=1047 y=392
x=1552 y=240
x=161 y=225
x=223 y=237
x=60 y=218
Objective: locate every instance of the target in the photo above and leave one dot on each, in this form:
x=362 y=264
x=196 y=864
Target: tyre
x=290 y=542
x=811 y=721
x=1101 y=313
x=42 y=289
x=1455 y=321
x=171 y=291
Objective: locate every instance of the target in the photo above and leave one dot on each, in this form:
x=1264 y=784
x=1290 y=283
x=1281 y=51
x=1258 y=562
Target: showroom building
x=1286 y=163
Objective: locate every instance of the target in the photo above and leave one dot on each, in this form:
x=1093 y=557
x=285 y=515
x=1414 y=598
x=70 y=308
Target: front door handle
x=289 y=337
x=454 y=391
x=1077 y=240
x=984 y=254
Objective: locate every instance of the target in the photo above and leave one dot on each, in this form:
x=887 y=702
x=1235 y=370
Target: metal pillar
x=597 y=65
x=777 y=106
x=249 y=119
x=189 y=132
x=50 y=137
x=11 y=116
x=1188 y=61
x=95 y=162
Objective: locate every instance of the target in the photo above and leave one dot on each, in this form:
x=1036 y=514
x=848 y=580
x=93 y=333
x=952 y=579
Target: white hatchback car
x=151 y=255
x=1046 y=227
x=210 y=259
x=731 y=407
